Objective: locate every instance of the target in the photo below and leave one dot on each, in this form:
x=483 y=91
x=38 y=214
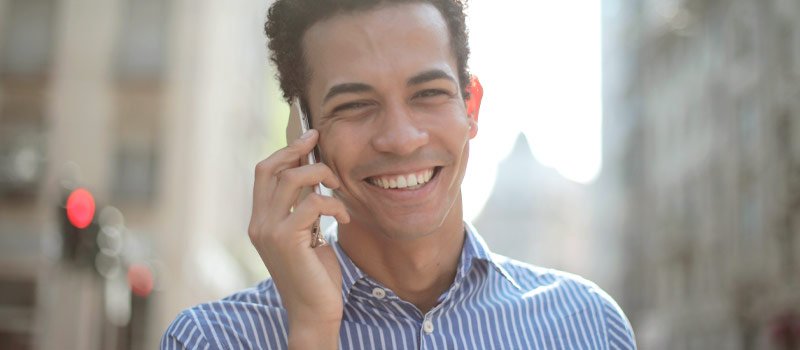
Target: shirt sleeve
x=619 y=333
x=183 y=334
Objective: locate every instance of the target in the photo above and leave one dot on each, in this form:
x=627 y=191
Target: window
x=27 y=36
x=139 y=70
x=141 y=48
x=25 y=54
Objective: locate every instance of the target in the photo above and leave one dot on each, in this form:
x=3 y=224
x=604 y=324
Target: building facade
x=701 y=178
x=160 y=108
x=536 y=215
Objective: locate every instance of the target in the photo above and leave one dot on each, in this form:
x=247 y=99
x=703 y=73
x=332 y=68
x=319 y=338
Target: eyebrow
x=426 y=76
x=346 y=88
x=421 y=78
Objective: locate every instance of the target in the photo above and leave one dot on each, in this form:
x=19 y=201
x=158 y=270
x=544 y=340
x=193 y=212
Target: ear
x=474 y=104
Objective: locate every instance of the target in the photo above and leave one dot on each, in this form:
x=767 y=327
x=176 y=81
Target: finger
x=287 y=157
x=290 y=183
x=314 y=205
x=263 y=189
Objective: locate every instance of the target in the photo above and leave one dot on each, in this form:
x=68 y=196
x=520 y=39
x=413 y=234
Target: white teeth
x=412 y=180
x=415 y=180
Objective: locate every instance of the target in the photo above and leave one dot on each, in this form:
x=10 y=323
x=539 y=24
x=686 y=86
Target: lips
x=408 y=181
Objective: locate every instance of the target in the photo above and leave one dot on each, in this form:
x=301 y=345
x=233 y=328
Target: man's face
x=385 y=96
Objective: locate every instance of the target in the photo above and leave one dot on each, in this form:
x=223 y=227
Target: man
x=386 y=87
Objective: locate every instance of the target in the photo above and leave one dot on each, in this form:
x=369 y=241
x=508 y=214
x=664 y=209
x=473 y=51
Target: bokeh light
x=80 y=208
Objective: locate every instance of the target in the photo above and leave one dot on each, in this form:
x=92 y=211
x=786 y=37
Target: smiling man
x=393 y=111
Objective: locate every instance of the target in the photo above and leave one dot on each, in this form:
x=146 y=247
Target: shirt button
x=427 y=326
x=378 y=293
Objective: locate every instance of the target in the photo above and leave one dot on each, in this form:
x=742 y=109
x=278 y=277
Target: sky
x=539 y=64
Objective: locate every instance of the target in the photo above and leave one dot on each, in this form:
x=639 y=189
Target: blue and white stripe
x=494 y=303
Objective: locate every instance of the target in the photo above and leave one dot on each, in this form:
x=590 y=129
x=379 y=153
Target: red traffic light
x=140 y=279
x=80 y=208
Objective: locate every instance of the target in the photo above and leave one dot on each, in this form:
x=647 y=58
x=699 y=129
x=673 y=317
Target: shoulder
x=249 y=319
x=572 y=295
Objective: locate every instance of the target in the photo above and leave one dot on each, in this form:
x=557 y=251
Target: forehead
x=371 y=45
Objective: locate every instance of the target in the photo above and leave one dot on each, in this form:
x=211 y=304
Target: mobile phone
x=297 y=110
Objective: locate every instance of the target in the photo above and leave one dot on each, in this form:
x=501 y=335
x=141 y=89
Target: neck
x=418 y=270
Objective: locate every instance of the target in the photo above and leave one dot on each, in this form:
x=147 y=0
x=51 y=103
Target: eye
x=431 y=93
x=350 y=106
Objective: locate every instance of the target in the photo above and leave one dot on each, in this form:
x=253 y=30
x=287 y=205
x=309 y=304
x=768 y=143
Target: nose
x=399 y=132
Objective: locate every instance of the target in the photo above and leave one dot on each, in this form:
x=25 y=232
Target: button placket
x=427 y=326
x=379 y=293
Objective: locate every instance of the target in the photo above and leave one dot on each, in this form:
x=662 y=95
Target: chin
x=410 y=227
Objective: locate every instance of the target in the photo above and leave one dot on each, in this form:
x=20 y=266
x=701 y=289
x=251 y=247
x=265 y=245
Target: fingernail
x=306 y=135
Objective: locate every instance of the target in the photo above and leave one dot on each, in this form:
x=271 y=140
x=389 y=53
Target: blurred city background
x=652 y=146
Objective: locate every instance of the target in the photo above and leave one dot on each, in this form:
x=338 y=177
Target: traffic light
x=140 y=279
x=97 y=241
x=79 y=228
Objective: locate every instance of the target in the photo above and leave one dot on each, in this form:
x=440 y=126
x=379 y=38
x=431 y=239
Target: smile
x=409 y=181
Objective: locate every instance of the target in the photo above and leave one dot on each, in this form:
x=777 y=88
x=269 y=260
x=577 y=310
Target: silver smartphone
x=297 y=109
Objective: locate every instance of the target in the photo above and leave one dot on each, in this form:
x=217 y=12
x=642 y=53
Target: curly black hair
x=288 y=20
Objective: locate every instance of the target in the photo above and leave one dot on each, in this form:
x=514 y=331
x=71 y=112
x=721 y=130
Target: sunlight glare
x=539 y=63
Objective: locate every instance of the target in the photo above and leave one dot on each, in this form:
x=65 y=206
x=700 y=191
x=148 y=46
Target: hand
x=309 y=280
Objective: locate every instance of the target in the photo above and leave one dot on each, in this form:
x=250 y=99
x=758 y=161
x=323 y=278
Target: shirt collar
x=350 y=272
x=474 y=249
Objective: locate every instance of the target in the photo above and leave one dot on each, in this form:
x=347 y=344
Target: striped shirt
x=494 y=303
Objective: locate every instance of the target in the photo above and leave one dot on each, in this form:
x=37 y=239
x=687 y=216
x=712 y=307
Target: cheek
x=452 y=118
x=458 y=129
x=340 y=149
x=330 y=152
